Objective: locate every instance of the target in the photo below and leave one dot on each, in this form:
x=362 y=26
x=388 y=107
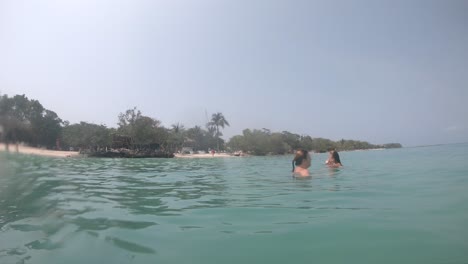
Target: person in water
x=330 y=156
x=301 y=163
x=333 y=160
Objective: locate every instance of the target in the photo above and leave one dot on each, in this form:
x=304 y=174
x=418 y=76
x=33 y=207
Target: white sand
x=37 y=151
x=64 y=154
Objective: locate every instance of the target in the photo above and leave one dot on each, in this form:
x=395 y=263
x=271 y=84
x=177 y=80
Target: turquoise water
x=391 y=206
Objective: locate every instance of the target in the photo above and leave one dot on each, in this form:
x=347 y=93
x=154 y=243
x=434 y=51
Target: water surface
x=392 y=206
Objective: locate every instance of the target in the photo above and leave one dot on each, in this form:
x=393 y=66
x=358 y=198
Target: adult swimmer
x=333 y=160
x=301 y=163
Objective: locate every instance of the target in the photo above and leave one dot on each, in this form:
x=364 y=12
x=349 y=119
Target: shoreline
x=22 y=149
x=203 y=156
x=13 y=148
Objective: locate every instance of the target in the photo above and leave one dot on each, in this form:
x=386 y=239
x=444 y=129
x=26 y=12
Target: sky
x=378 y=71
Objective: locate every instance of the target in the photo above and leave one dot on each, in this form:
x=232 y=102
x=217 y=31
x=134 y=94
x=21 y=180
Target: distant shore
x=207 y=155
x=13 y=148
x=66 y=154
x=362 y=149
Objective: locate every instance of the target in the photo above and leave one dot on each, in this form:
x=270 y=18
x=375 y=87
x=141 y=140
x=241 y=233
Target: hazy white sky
x=379 y=71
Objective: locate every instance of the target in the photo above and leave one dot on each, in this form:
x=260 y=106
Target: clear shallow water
x=393 y=206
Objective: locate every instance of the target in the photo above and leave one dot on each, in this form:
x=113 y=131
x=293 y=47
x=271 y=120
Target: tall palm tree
x=177 y=135
x=218 y=120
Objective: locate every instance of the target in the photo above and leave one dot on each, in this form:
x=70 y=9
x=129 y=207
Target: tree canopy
x=28 y=121
x=25 y=120
x=218 y=120
x=264 y=142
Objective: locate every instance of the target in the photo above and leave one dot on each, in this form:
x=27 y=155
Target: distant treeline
x=264 y=142
x=25 y=120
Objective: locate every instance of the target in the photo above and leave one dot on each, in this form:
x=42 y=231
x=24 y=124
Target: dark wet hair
x=336 y=157
x=301 y=155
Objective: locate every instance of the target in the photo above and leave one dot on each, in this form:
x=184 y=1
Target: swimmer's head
x=336 y=157
x=302 y=158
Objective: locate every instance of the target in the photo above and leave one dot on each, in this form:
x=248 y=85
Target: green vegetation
x=263 y=142
x=28 y=121
x=25 y=120
x=85 y=135
x=218 y=120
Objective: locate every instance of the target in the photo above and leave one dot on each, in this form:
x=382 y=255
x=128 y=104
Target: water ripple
x=146 y=207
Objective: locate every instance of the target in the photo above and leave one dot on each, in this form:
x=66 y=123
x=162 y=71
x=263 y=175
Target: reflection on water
x=48 y=197
x=142 y=210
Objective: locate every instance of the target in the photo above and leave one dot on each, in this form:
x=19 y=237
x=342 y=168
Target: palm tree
x=177 y=135
x=218 y=120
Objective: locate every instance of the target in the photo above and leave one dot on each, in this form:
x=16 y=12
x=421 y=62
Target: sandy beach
x=37 y=151
x=65 y=154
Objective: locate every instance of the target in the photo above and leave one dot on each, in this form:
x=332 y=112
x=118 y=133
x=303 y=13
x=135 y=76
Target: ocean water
x=391 y=206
